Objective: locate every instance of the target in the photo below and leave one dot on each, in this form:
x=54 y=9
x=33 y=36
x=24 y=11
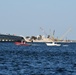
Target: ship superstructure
x=10 y=38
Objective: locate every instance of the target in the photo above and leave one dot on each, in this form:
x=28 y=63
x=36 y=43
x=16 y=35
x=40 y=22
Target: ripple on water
x=37 y=60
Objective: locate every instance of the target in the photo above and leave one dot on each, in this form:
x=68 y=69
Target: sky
x=25 y=17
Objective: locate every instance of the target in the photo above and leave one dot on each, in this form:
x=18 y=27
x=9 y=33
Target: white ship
x=53 y=44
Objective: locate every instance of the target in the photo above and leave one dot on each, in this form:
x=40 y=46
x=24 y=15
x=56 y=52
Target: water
x=37 y=59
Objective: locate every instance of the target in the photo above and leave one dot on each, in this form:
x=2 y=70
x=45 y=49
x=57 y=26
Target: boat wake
x=65 y=45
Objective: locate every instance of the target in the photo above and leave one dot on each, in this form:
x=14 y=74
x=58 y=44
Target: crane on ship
x=62 y=37
x=48 y=36
x=51 y=41
x=43 y=31
x=52 y=34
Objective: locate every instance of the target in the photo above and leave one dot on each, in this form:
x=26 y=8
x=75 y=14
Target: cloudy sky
x=25 y=17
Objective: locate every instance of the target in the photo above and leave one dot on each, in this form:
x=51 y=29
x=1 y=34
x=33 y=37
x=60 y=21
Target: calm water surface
x=37 y=59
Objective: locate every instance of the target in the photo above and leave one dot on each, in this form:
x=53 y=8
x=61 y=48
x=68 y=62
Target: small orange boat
x=22 y=43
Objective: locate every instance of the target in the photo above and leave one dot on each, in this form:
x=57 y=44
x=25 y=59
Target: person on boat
x=23 y=42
